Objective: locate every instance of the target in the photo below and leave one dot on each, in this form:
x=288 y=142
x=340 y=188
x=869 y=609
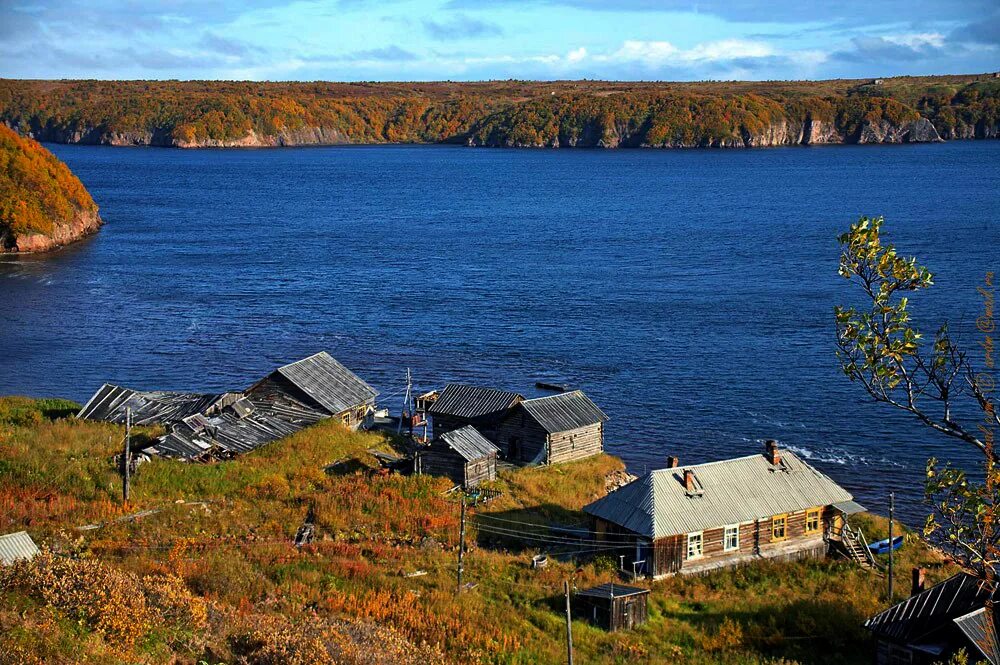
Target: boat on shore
x=882 y=546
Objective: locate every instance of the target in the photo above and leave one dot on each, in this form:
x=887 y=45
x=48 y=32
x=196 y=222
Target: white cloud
x=918 y=39
x=577 y=55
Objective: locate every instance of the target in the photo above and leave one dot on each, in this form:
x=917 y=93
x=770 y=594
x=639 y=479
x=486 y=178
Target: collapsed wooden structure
x=693 y=519
x=218 y=426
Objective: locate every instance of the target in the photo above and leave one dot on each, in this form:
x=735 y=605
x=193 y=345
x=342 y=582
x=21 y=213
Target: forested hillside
x=511 y=113
x=42 y=204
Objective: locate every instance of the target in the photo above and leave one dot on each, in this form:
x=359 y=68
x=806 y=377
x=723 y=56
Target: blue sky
x=405 y=40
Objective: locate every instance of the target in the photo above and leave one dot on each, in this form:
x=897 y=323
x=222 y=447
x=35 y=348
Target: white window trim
x=701 y=545
x=725 y=538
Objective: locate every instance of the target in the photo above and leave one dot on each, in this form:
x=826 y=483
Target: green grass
x=225 y=531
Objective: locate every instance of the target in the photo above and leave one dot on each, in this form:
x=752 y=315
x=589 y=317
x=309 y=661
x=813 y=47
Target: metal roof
x=981 y=631
x=469 y=443
x=727 y=492
x=14 y=546
x=611 y=590
x=918 y=615
x=333 y=386
x=464 y=401
x=152 y=407
x=849 y=507
x=564 y=412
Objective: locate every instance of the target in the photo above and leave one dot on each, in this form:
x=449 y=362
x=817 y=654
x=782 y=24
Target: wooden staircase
x=855 y=547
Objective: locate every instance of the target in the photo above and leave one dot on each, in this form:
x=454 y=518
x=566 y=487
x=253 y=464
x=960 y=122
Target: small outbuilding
x=553 y=429
x=464 y=455
x=459 y=405
x=15 y=546
x=613 y=606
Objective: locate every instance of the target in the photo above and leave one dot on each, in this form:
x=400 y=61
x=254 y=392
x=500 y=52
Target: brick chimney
x=771 y=452
x=673 y=462
x=919 y=581
x=689 y=480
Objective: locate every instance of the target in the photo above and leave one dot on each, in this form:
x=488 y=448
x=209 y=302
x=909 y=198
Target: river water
x=689 y=292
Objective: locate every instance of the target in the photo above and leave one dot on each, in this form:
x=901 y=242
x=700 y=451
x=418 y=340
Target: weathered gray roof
x=333 y=386
x=110 y=402
x=564 y=412
x=918 y=615
x=469 y=443
x=727 y=492
x=979 y=627
x=14 y=546
x=611 y=590
x=849 y=507
x=464 y=401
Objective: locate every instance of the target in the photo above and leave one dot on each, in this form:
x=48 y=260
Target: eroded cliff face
x=84 y=223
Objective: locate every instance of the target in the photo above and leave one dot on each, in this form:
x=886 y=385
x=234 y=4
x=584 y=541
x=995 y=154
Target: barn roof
x=464 y=401
x=958 y=599
x=333 y=386
x=152 y=407
x=726 y=492
x=563 y=412
x=14 y=546
x=469 y=443
x=611 y=590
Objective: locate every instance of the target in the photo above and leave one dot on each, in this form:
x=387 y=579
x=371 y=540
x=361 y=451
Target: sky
x=411 y=40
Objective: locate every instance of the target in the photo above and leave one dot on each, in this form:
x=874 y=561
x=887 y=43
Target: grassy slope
x=221 y=580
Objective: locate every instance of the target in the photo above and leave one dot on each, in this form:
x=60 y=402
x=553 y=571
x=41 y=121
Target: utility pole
x=127 y=455
x=892 y=505
x=461 y=546
x=569 y=626
x=407 y=412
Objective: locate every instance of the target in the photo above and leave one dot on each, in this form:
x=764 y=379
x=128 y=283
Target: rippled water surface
x=689 y=292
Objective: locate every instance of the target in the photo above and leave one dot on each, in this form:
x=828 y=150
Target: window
x=731 y=538
x=695 y=545
x=779 y=527
x=813 y=520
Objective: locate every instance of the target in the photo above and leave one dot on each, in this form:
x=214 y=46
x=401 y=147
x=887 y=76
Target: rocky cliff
x=43 y=206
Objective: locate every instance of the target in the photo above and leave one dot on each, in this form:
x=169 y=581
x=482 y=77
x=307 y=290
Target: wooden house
x=612 y=606
x=321 y=383
x=459 y=405
x=553 y=429
x=693 y=519
x=931 y=626
x=463 y=455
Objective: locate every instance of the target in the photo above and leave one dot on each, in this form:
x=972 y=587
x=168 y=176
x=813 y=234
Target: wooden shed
x=613 y=606
x=318 y=382
x=459 y=405
x=463 y=455
x=549 y=430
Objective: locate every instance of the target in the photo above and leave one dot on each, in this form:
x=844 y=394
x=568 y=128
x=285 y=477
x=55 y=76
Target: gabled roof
x=958 y=599
x=727 y=492
x=469 y=443
x=462 y=401
x=611 y=590
x=564 y=412
x=330 y=384
x=14 y=546
x=110 y=402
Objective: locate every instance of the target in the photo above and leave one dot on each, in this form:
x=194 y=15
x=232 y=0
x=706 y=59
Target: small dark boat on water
x=554 y=387
x=882 y=546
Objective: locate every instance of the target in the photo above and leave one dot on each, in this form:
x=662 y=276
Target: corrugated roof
x=729 y=492
x=469 y=443
x=14 y=546
x=325 y=380
x=611 y=590
x=564 y=412
x=462 y=401
x=151 y=407
x=981 y=631
x=918 y=615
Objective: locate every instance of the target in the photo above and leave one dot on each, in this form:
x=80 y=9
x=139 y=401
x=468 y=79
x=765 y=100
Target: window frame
x=818 y=514
x=784 y=527
x=725 y=538
x=701 y=545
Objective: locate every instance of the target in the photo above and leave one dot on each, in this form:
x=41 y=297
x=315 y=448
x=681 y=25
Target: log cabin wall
x=443 y=463
x=481 y=470
x=520 y=438
x=485 y=425
x=576 y=444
